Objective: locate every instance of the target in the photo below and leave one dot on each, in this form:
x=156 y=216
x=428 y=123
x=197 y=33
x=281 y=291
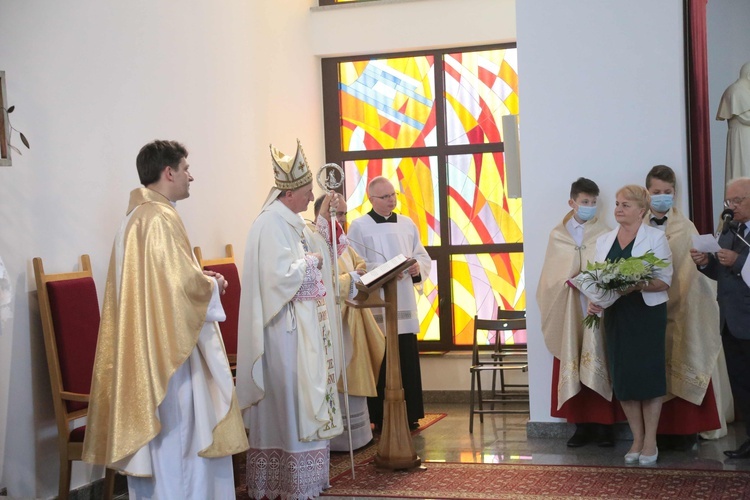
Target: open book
x=372 y=276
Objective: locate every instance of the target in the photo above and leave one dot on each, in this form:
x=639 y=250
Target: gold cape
x=692 y=337
x=146 y=335
x=581 y=351
x=368 y=342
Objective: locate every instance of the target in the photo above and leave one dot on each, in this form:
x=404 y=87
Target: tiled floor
x=502 y=439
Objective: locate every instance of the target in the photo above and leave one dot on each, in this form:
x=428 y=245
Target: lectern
x=395 y=449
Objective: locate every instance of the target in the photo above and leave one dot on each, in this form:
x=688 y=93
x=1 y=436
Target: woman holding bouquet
x=635 y=324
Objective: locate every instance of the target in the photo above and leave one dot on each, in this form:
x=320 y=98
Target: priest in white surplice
x=379 y=236
x=163 y=409
x=287 y=347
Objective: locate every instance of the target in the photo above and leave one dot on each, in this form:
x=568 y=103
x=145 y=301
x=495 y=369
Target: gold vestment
x=152 y=315
x=580 y=351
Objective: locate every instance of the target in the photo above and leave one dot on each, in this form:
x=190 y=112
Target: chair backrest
x=69 y=311
x=496 y=326
x=518 y=328
x=230 y=301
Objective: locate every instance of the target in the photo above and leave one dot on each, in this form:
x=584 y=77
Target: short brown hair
x=583 y=185
x=663 y=173
x=155 y=156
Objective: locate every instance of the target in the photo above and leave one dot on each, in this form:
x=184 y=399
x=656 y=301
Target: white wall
x=602 y=96
x=728 y=49
x=393 y=26
x=93 y=81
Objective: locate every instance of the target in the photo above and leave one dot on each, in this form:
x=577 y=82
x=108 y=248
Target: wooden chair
x=230 y=301
x=69 y=311
x=496 y=361
x=516 y=352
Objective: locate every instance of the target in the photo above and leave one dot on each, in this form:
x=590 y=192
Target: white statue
x=735 y=107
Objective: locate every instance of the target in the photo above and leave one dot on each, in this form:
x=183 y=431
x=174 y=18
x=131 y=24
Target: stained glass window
x=430 y=122
x=480 y=283
x=387 y=103
x=480 y=87
x=415 y=181
x=479 y=209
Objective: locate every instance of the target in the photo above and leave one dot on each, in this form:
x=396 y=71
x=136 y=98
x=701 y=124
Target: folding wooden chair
x=494 y=361
x=69 y=311
x=513 y=352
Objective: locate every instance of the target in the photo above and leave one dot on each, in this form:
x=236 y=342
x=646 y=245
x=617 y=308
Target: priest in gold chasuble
x=163 y=408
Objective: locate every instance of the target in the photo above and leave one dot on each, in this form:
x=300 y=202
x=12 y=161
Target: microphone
x=369 y=248
x=726 y=217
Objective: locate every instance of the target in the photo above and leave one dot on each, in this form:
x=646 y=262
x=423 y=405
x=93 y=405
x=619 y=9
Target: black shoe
x=414 y=426
x=741 y=452
x=581 y=437
x=605 y=435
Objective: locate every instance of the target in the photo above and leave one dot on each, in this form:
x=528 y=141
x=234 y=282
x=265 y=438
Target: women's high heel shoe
x=648 y=459
x=632 y=458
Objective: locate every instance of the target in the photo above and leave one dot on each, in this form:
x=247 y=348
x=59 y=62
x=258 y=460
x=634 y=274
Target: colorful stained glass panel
x=479 y=209
x=480 y=87
x=428 y=307
x=415 y=181
x=387 y=103
x=480 y=283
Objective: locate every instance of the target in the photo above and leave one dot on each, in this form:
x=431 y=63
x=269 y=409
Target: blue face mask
x=586 y=212
x=661 y=202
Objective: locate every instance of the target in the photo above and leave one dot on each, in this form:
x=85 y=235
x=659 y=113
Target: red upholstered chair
x=227 y=267
x=69 y=311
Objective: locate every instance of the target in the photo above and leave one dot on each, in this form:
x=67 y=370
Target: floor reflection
x=502 y=439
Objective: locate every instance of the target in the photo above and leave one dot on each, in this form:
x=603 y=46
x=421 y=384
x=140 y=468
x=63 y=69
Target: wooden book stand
x=395 y=449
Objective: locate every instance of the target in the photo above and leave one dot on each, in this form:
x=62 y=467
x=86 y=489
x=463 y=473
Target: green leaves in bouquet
x=592 y=321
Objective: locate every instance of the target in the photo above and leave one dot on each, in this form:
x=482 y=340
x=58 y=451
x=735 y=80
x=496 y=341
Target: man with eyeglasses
x=379 y=236
x=734 y=307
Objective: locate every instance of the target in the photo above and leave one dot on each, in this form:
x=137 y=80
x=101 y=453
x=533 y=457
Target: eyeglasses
x=734 y=201
x=385 y=197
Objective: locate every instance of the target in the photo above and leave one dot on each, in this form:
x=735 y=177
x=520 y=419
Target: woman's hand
x=594 y=309
x=634 y=288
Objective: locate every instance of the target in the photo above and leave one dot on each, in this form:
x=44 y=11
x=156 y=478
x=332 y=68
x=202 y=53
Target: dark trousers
x=411 y=378
x=737 y=354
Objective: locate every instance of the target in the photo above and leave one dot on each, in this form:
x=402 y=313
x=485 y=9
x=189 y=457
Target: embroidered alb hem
x=274 y=473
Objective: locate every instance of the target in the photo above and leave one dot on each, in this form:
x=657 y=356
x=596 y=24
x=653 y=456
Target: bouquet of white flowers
x=602 y=282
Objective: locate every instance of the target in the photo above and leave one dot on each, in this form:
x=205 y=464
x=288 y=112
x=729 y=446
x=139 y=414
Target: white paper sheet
x=705 y=243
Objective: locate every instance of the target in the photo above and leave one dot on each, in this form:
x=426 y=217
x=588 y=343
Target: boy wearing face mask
x=696 y=383
x=579 y=391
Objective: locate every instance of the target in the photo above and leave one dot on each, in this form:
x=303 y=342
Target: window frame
x=440 y=254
